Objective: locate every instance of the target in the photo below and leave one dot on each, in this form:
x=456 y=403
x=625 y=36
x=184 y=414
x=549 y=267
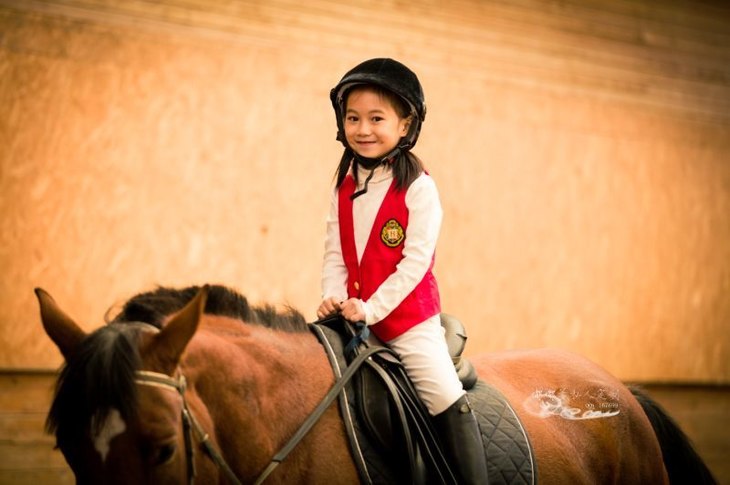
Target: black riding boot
x=462 y=442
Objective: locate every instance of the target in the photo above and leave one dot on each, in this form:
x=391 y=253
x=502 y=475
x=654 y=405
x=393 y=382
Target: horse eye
x=165 y=454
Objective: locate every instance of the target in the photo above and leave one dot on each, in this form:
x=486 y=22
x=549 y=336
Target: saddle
x=390 y=431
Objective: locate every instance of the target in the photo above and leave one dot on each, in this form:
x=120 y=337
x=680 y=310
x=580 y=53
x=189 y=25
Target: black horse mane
x=154 y=306
x=100 y=376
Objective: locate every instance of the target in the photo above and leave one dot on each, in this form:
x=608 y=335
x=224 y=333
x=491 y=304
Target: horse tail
x=683 y=463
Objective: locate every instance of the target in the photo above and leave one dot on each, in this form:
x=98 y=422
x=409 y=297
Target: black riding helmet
x=388 y=74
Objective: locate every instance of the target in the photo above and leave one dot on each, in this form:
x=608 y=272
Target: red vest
x=383 y=252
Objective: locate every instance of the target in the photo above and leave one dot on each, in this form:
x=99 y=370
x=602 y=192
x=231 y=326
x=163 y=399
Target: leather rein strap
x=307 y=425
x=147 y=378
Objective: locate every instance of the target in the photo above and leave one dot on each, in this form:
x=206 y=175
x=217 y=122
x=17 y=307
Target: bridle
x=191 y=426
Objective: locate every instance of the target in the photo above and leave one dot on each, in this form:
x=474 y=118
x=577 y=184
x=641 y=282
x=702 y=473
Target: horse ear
x=167 y=346
x=60 y=327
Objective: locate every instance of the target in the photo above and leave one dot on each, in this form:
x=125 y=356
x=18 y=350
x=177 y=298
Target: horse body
x=249 y=387
x=593 y=450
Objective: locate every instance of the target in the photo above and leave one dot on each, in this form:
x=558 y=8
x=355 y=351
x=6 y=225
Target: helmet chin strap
x=371 y=164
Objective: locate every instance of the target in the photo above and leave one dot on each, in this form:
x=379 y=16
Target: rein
x=319 y=410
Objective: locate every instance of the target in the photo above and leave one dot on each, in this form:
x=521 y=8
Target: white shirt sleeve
x=424 y=223
x=334 y=271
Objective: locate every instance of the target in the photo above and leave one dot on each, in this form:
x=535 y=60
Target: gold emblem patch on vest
x=392 y=233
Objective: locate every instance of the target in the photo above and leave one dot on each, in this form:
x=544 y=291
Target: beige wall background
x=580 y=147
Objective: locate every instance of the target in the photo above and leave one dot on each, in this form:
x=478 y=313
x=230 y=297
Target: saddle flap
x=398 y=423
x=376 y=408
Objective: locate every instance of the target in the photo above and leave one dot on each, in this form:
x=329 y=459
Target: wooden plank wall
x=27 y=453
x=580 y=149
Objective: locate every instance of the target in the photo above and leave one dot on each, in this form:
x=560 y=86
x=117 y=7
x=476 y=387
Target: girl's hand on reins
x=352 y=310
x=329 y=306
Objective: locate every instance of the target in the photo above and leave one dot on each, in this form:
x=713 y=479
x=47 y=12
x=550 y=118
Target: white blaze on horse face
x=113 y=426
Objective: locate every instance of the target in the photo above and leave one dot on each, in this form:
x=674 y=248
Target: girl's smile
x=372 y=126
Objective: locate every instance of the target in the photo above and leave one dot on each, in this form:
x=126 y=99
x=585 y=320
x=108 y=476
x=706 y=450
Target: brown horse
x=197 y=382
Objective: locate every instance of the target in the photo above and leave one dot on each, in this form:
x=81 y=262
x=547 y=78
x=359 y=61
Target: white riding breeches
x=423 y=351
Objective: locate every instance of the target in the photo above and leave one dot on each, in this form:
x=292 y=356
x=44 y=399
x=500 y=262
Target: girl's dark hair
x=406 y=166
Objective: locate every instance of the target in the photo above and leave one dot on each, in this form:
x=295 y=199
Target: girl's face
x=372 y=125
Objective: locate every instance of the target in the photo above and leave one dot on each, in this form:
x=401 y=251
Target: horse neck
x=257 y=386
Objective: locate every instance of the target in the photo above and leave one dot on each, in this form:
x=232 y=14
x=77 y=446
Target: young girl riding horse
x=384 y=221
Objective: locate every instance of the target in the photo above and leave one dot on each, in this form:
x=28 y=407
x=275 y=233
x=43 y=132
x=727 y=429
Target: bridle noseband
x=190 y=424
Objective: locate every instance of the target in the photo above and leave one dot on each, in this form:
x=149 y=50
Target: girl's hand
x=352 y=310
x=328 y=307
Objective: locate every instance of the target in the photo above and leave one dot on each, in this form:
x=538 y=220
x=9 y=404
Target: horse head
x=115 y=414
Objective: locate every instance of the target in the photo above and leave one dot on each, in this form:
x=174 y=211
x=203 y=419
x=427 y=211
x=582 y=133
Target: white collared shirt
x=424 y=223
